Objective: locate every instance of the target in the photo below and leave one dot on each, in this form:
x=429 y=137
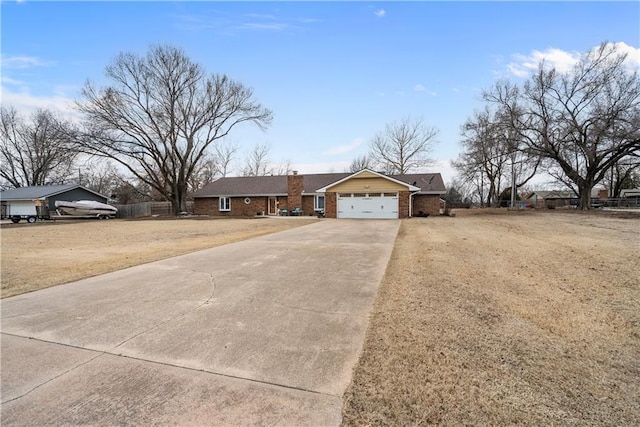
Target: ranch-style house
x=364 y=194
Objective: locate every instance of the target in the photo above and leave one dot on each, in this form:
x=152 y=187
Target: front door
x=273 y=206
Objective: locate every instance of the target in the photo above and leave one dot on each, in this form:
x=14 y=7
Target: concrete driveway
x=264 y=331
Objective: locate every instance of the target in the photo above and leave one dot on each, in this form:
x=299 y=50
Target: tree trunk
x=179 y=201
x=584 y=189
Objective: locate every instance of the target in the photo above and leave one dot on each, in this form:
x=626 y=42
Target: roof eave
x=348 y=177
x=241 y=195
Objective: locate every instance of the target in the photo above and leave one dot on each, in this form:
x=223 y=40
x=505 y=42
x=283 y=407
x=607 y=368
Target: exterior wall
x=367 y=184
x=307 y=205
x=426 y=203
x=210 y=206
x=330 y=205
x=403 y=204
x=295 y=185
x=283 y=203
x=257 y=205
x=207 y=206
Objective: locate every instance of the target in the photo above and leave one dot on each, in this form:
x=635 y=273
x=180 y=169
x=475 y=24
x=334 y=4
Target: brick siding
x=428 y=203
x=403 y=204
x=295 y=185
x=210 y=206
x=330 y=205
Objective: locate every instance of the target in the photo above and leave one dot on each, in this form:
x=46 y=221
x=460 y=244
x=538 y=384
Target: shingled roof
x=245 y=186
x=429 y=183
x=40 y=192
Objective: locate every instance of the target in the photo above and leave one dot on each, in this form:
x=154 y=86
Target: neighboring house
x=630 y=193
x=40 y=201
x=557 y=198
x=553 y=198
x=364 y=194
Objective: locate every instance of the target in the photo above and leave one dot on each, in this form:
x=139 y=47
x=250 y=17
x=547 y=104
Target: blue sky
x=333 y=73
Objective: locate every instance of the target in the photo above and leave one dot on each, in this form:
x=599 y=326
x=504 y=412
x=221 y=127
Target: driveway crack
x=57 y=376
x=331 y=313
x=184 y=313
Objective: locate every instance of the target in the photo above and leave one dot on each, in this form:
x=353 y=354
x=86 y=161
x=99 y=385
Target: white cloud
x=420 y=88
x=564 y=61
x=20 y=62
x=380 y=13
x=633 y=53
x=260 y=16
x=345 y=148
x=10 y=81
x=561 y=60
x=273 y=26
x=26 y=103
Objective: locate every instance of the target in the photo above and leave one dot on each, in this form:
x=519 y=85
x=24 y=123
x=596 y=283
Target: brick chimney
x=295 y=184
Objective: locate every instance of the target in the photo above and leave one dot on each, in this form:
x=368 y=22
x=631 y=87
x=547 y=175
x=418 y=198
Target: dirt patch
x=502 y=318
x=37 y=256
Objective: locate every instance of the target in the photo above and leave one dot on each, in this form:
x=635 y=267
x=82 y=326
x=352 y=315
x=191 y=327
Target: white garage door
x=368 y=205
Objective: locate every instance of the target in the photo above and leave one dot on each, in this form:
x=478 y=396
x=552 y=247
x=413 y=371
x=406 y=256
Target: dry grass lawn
x=36 y=256
x=489 y=318
x=503 y=318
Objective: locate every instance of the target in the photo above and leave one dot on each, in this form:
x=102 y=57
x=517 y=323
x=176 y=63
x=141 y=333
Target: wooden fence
x=138 y=210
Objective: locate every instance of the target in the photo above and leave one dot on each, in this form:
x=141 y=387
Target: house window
x=225 y=204
x=318 y=203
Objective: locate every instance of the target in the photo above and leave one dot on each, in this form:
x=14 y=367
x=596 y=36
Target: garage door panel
x=381 y=207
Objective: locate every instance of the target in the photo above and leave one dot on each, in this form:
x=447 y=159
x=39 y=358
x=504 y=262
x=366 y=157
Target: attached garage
x=368 y=205
x=363 y=194
x=368 y=195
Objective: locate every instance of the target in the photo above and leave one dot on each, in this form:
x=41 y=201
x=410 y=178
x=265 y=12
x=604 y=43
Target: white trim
x=227 y=200
x=411 y=203
x=275 y=205
x=409 y=186
x=315 y=202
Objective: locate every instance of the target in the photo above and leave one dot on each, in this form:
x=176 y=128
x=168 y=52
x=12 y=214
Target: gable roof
x=41 y=192
x=368 y=173
x=247 y=186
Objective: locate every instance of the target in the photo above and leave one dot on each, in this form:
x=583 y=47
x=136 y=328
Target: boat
x=86 y=208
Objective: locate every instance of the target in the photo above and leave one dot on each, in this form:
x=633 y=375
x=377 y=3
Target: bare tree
x=101 y=176
x=213 y=165
x=257 y=162
x=624 y=174
x=360 y=163
x=35 y=152
x=283 y=168
x=160 y=115
x=403 y=146
x=583 y=121
x=484 y=153
x=224 y=154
